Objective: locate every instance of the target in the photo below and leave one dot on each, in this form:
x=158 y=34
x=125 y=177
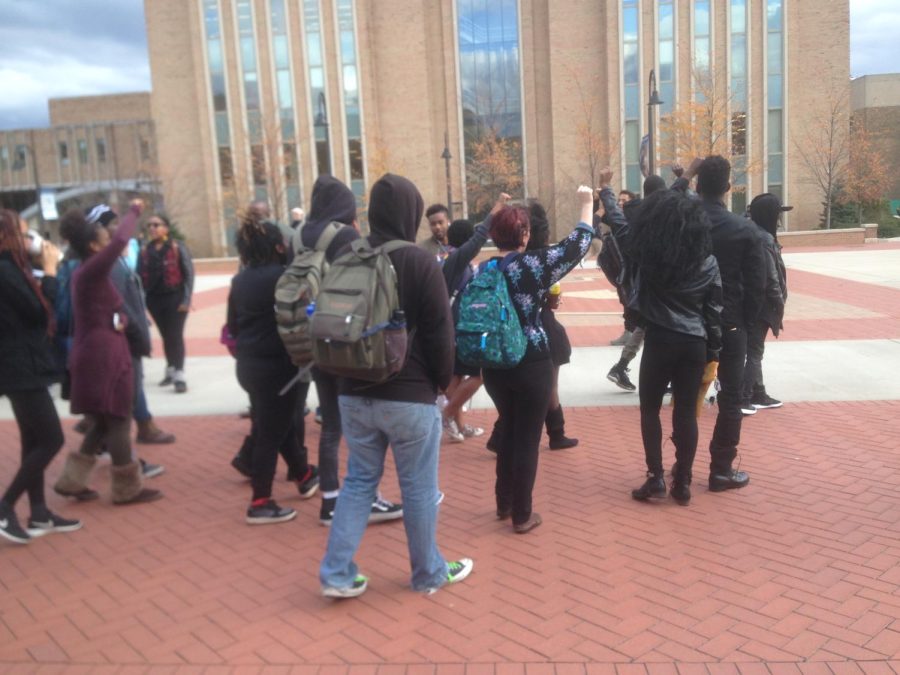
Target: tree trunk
x=859 y=214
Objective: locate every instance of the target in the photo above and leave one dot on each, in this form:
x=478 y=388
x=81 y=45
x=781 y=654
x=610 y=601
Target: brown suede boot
x=128 y=486
x=151 y=434
x=73 y=480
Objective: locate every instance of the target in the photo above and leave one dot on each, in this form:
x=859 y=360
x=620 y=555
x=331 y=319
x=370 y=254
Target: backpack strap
x=322 y=243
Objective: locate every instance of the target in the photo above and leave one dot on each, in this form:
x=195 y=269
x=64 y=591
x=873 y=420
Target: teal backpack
x=488 y=331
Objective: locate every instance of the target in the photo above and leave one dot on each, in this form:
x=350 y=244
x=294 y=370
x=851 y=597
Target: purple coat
x=100 y=361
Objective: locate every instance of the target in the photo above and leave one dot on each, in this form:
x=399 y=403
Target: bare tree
x=824 y=148
x=868 y=177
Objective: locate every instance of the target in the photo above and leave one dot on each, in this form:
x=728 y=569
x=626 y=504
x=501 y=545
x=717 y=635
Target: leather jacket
x=776 y=284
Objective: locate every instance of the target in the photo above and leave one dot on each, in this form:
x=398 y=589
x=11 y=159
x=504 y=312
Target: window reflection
x=355 y=155
x=775 y=96
x=318 y=97
x=216 y=67
x=631 y=76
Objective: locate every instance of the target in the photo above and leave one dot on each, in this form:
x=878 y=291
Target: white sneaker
x=452 y=432
x=471 y=432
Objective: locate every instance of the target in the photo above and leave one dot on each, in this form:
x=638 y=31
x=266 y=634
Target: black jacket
x=395 y=209
x=332 y=202
x=742 y=263
x=251 y=318
x=26 y=352
x=776 y=284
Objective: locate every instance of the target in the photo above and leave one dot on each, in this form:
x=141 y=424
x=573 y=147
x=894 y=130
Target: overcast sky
x=54 y=48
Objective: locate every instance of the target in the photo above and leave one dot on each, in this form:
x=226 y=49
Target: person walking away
x=167 y=271
x=676 y=291
x=264 y=369
x=27 y=368
x=522 y=394
x=739 y=252
x=333 y=205
x=100 y=362
x=765 y=211
x=400 y=412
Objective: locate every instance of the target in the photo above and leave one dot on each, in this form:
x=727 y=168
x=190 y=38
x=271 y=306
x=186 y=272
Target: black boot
x=681 y=485
x=653 y=488
x=556 y=430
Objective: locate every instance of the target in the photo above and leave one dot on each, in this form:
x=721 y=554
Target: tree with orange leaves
x=493 y=165
x=868 y=177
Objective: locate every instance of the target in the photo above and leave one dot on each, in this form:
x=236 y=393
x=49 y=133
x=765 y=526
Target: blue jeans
x=140 y=411
x=413 y=430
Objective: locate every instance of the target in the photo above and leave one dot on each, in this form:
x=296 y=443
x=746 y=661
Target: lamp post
x=321 y=122
x=654 y=100
x=446 y=156
x=19 y=164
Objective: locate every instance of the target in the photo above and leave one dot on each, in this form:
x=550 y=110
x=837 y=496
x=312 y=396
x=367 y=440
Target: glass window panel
x=294 y=196
x=323 y=161
x=630 y=24
x=254 y=126
x=279 y=18
x=632 y=102
x=245 y=17
x=101 y=150
x=288 y=128
x=282 y=54
x=701 y=18
x=667 y=94
x=251 y=91
x=350 y=83
x=739 y=201
x=211 y=15
x=285 y=96
x=217 y=84
x=630 y=70
x=82 y=151
x=666 y=21
x=701 y=54
x=317 y=78
x=214 y=52
x=632 y=140
x=776 y=190
x=248 y=54
x=258 y=163
x=776 y=168
x=633 y=178
x=666 y=60
x=775 y=54
x=775 y=131
x=354 y=129
x=356 y=159
x=4 y=158
x=776 y=97
x=738 y=94
x=738 y=16
x=222 y=134
x=348 y=47
x=226 y=167
x=774 y=12
x=314 y=49
x=738 y=56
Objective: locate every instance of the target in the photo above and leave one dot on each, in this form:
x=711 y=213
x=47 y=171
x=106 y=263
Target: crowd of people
x=701 y=288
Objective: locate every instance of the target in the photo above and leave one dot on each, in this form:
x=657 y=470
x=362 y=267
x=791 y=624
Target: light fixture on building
x=446 y=156
x=654 y=100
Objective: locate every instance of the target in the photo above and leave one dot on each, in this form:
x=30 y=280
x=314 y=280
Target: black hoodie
x=332 y=202
x=395 y=209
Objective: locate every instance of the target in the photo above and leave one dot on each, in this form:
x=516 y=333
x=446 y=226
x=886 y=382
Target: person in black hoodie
x=27 y=368
x=739 y=251
x=333 y=206
x=765 y=211
x=399 y=412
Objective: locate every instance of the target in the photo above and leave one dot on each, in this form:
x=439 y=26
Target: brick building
x=875 y=100
x=255 y=98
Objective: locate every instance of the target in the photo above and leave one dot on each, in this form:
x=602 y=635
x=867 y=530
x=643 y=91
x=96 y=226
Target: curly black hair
x=713 y=176
x=540 y=225
x=260 y=243
x=75 y=229
x=459 y=232
x=670 y=238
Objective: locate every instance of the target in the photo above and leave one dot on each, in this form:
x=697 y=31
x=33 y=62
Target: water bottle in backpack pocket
x=488 y=331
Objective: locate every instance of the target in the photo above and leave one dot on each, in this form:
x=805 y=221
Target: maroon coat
x=100 y=361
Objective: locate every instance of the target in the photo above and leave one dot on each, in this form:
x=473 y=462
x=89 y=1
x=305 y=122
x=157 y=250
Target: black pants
x=521 y=396
x=170 y=322
x=42 y=437
x=273 y=419
x=330 y=437
x=756 y=348
x=679 y=360
x=727 y=434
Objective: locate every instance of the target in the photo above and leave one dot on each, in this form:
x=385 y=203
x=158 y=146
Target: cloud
x=57 y=48
x=874 y=27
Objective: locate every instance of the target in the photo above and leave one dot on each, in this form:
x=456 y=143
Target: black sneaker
x=653 y=488
x=763 y=401
x=51 y=522
x=308 y=485
x=326 y=511
x=10 y=528
x=269 y=512
x=151 y=470
x=180 y=387
x=358 y=587
x=383 y=510
x=728 y=480
x=747 y=408
x=618 y=375
x=681 y=493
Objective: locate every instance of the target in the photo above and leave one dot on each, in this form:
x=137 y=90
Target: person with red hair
x=522 y=393
x=27 y=368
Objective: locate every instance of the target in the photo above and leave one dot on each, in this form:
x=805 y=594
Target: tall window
x=63 y=153
x=252 y=103
x=738 y=67
x=101 y=149
x=491 y=93
x=218 y=93
x=775 y=95
x=666 y=23
x=702 y=37
x=82 y=151
x=312 y=26
x=281 y=47
x=4 y=158
x=350 y=77
x=631 y=71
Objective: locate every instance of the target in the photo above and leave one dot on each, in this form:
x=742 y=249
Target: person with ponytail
x=100 y=361
x=27 y=368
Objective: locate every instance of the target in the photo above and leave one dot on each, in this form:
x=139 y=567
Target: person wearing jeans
x=399 y=412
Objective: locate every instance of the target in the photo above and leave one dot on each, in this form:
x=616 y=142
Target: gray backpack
x=296 y=292
x=358 y=327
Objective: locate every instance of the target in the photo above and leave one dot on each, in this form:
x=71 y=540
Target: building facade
x=875 y=101
x=255 y=98
x=94 y=146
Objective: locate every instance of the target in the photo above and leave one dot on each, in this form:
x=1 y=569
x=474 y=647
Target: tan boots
x=127 y=484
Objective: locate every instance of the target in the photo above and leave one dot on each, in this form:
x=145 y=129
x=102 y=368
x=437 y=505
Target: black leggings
x=273 y=418
x=521 y=395
x=170 y=323
x=42 y=437
x=680 y=361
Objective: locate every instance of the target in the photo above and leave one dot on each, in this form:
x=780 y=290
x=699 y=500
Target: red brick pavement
x=799 y=574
